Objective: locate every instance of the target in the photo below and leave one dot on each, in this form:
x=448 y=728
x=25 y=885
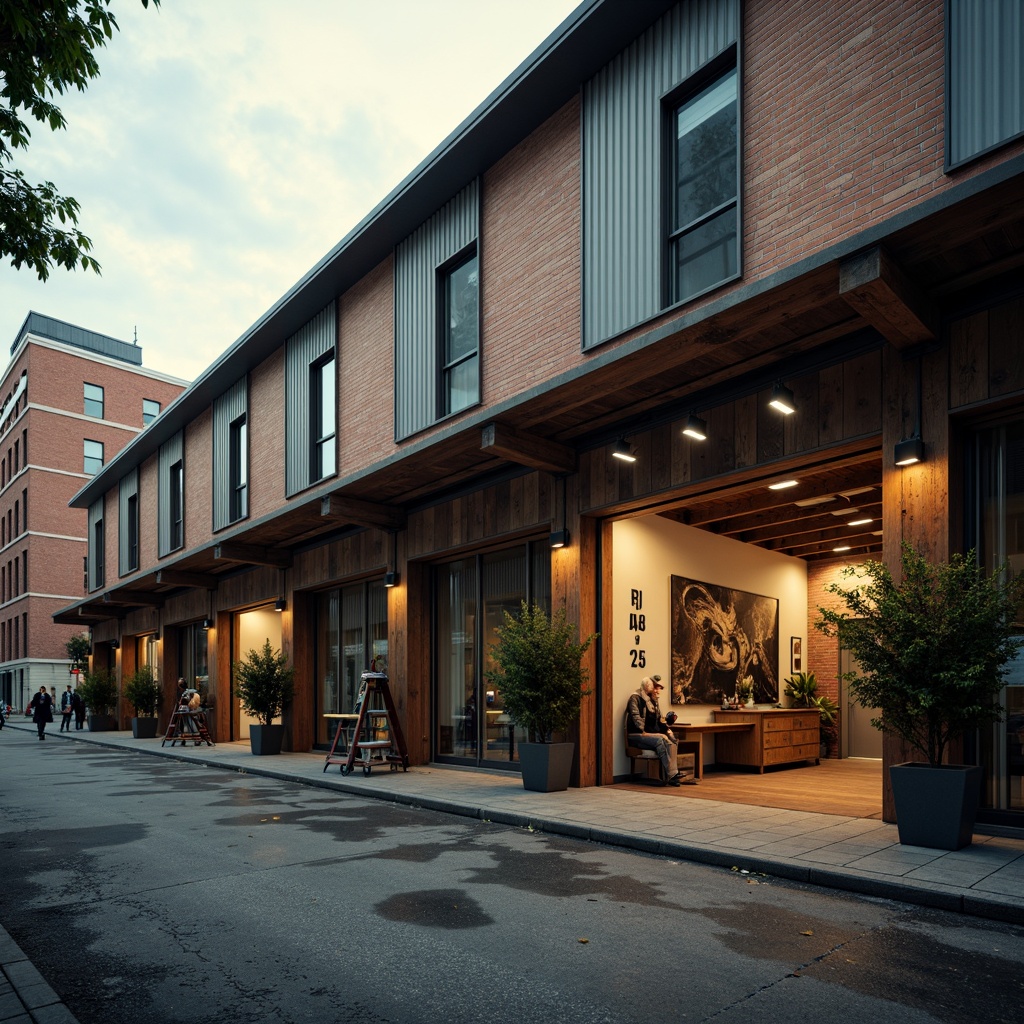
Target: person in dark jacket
x=647 y=729
x=78 y=707
x=42 y=711
x=67 y=699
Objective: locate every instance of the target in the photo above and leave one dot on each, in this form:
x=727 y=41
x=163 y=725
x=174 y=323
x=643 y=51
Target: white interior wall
x=646 y=553
x=254 y=629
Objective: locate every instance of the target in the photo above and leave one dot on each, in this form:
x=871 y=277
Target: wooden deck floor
x=851 y=787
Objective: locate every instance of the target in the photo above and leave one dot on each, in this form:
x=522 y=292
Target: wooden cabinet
x=780 y=736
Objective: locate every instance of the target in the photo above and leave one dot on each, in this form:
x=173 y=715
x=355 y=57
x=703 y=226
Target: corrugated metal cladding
x=129 y=488
x=623 y=126
x=454 y=227
x=171 y=451
x=226 y=409
x=302 y=349
x=986 y=75
x=95 y=516
x=69 y=334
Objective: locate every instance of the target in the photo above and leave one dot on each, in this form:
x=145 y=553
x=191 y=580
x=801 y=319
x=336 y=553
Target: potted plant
x=745 y=691
x=541 y=681
x=264 y=683
x=933 y=648
x=142 y=691
x=99 y=691
x=802 y=691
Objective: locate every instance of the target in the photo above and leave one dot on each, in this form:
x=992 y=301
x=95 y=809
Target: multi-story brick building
x=670 y=214
x=71 y=400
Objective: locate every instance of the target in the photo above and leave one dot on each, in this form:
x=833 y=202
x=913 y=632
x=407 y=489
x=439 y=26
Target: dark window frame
x=133 y=533
x=238 y=468
x=446 y=365
x=321 y=440
x=176 y=505
x=99 y=568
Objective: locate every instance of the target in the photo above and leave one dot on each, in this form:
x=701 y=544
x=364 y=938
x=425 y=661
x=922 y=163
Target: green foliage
x=45 y=49
x=539 y=671
x=99 y=691
x=78 y=649
x=933 y=646
x=264 y=683
x=802 y=690
x=142 y=691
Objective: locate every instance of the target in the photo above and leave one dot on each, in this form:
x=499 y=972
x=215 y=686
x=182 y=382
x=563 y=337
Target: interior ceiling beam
x=877 y=288
x=813 y=520
x=133 y=597
x=527 y=449
x=252 y=554
x=182 y=578
x=796 y=544
x=362 y=512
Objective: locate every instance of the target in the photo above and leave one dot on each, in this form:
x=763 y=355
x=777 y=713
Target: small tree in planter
x=99 y=691
x=542 y=681
x=264 y=683
x=142 y=691
x=933 y=648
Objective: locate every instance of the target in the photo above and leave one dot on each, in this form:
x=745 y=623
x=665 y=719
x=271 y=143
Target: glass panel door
x=457 y=704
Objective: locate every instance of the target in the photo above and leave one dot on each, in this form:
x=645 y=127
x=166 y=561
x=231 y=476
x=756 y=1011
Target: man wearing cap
x=646 y=729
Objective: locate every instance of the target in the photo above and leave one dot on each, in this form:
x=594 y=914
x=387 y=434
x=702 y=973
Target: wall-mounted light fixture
x=390 y=579
x=280 y=604
x=782 y=399
x=391 y=575
x=207 y=623
x=156 y=635
x=696 y=428
x=560 y=538
x=115 y=645
x=909 y=451
x=623 y=451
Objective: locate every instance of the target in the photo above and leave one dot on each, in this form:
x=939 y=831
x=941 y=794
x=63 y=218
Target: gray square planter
x=935 y=806
x=546 y=766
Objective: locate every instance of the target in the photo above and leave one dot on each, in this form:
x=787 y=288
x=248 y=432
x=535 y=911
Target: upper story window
x=128 y=523
x=170 y=512
x=238 y=469
x=93 y=456
x=176 y=493
x=93 y=400
x=703 y=238
x=132 y=526
x=460 y=335
x=150 y=411
x=95 y=560
x=322 y=407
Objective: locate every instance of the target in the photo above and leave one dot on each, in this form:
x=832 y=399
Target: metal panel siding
x=95 y=515
x=986 y=75
x=623 y=223
x=128 y=488
x=302 y=349
x=170 y=453
x=226 y=409
x=455 y=226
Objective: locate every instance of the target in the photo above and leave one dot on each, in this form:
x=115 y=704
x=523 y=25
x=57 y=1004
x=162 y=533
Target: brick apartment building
x=71 y=400
x=671 y=214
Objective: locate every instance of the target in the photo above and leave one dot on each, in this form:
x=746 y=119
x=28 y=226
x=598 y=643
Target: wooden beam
x=527 y=449
x=181 y=578
x=876 y=287
x=253 y=554
x=362 y=513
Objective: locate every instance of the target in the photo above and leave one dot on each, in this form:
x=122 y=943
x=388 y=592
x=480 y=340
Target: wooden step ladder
x=186 y=725
x=376 y=738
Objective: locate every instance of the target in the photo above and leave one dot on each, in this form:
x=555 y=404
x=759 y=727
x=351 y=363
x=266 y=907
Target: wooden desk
x=687 y=731
x=776 y=736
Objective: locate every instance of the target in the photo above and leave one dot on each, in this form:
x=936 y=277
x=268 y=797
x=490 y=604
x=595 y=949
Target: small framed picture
x=796 y=654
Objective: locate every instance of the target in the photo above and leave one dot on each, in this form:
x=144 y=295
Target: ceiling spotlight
x=859 y=522
x=782 y=399
x=696 y=428
x=909 y=451
x=623 y=451
x=841 y=548
x=782 y=485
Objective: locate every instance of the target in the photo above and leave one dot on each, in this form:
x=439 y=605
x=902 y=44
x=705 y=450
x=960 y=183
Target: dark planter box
x=102 y=723
x=935 y=806
x=266 y=739
x=144 y=728
x=546 y=766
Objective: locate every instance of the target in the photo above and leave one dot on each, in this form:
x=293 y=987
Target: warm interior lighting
x=782 y=485
x=559 y=539
x=841 y=548
x=696 y=428
x=623 y=451
x=859 y=522
x=782 y=399
x=909 y=451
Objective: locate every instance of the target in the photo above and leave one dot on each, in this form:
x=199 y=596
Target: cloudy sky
x=229 y=144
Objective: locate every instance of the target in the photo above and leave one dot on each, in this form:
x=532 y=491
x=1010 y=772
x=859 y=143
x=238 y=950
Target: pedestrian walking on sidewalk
x=42 y=711
x=67 y=699
x=78 y=707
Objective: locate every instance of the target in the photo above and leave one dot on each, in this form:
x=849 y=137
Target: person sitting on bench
x=646 y=729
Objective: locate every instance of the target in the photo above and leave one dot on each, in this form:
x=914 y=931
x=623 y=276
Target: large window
x=460 y=335
x=92 y=456
x=193 y=659
x=238 y=469
x=132 y=524
x=352 y=638
x=471 y=596
x=322 y=418
x=99 y=568
x=176 y=493
x=703 y=243
x=93 y=400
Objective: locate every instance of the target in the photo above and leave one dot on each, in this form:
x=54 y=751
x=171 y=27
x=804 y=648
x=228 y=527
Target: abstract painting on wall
x=720 y=636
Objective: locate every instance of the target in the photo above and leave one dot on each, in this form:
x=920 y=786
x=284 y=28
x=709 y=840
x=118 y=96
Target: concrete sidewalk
x=861 y=855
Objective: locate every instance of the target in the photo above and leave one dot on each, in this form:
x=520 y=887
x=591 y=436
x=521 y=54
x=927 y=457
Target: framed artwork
x=796 y=654
x=720 y=636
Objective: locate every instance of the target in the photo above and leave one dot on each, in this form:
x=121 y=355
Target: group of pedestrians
x=43 y=704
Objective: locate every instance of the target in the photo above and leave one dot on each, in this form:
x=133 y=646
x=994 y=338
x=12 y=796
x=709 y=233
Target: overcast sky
x=229 y=144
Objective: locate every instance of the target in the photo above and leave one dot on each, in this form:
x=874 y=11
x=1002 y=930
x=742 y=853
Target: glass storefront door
x=471 y=596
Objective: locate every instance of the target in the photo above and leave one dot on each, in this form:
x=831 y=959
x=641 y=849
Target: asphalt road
x=149 y=889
